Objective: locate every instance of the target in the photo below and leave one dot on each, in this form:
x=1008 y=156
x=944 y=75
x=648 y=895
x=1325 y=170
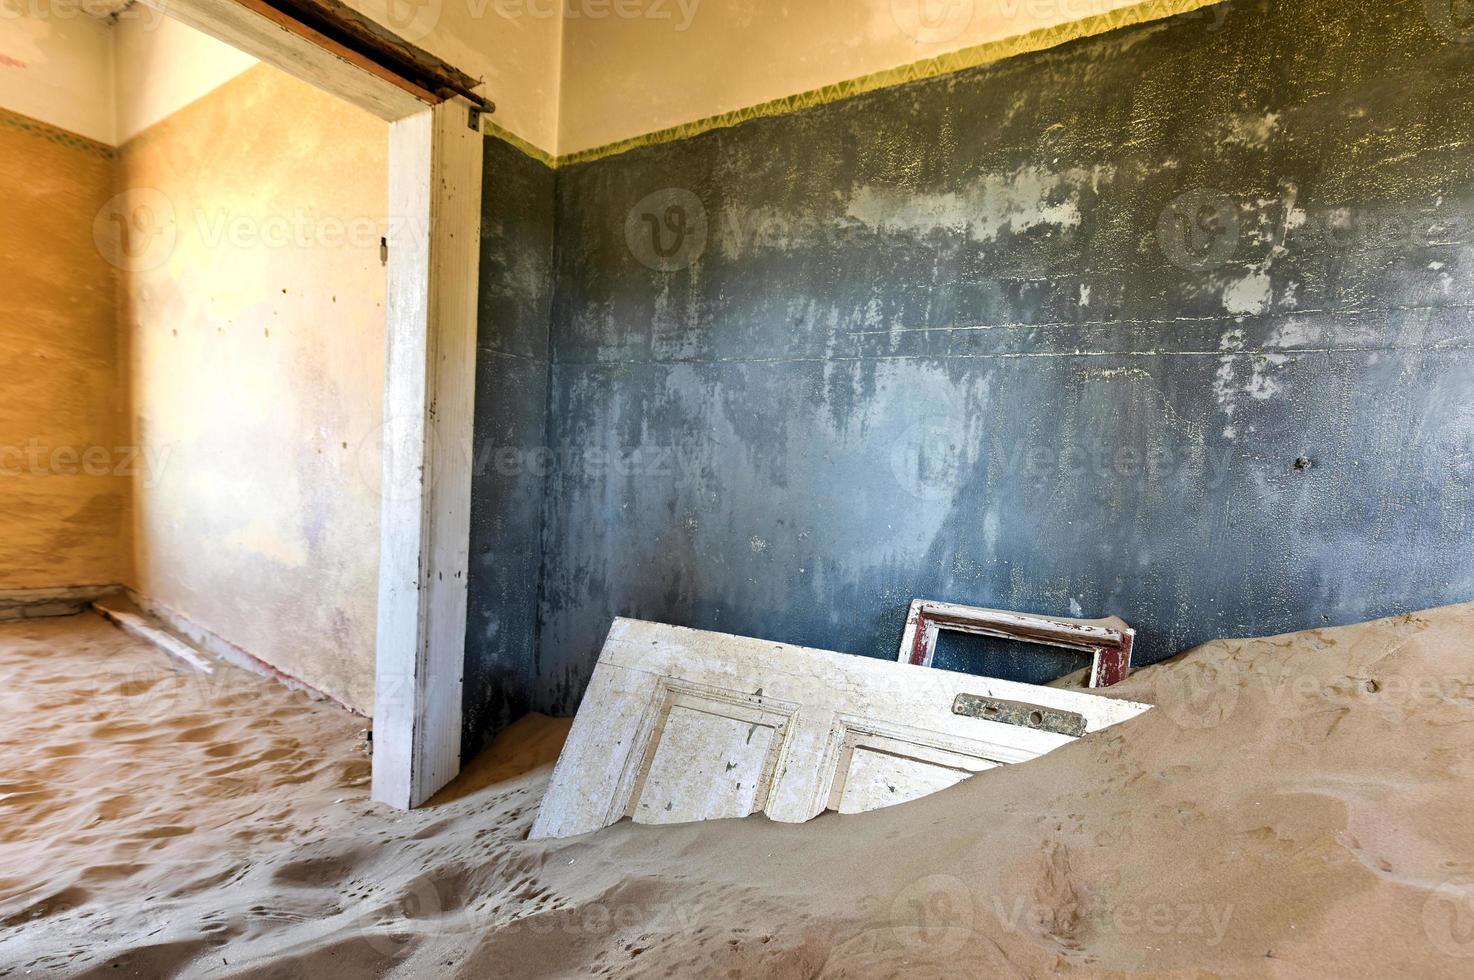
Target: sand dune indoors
x=1298 y=806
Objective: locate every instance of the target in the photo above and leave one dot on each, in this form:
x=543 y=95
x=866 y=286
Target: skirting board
x=43 y=603
x=222 y=649
x=72 y=600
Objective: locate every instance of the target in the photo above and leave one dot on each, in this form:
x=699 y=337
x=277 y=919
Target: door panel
x=681 y=725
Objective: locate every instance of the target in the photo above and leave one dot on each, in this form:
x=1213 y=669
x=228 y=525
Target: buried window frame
x=1110 y=648
x=434 y=234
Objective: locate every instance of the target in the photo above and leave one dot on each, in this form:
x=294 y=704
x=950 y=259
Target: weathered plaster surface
x=56 y=66
x=514 y=46
x=645 y=65
x=160 y=65
x=108 y=80
x=63 y=490
x=254 y=311
x=956 y=340
x=508 y=469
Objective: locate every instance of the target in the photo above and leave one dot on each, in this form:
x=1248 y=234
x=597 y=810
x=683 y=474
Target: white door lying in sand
x=681 y=725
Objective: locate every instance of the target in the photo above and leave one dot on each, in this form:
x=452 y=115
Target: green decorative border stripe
x=55 y=134
x=944 y=64
x=490 y=128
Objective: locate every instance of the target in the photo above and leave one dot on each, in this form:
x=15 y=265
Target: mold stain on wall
x=1048 y=335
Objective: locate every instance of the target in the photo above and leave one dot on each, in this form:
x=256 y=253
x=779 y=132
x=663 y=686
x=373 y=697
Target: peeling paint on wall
x=1029 y=197
x=1049 y=335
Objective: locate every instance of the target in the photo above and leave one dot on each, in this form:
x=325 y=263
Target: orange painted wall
x=63 y=456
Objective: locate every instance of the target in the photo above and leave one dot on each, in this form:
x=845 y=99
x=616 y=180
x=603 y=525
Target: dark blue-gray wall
x=510 y=433
x=1049 y=335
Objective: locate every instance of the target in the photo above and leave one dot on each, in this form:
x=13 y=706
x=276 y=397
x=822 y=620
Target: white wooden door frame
x=430 y=392
x=435 y=160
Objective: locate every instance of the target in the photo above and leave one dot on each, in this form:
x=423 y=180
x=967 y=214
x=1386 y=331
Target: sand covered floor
x=1296 y=806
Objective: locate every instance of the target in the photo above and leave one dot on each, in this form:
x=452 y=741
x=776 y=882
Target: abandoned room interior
x=775 y=488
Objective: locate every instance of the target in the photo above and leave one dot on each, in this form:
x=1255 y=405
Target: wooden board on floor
x=681 y=725
x=129 y=621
